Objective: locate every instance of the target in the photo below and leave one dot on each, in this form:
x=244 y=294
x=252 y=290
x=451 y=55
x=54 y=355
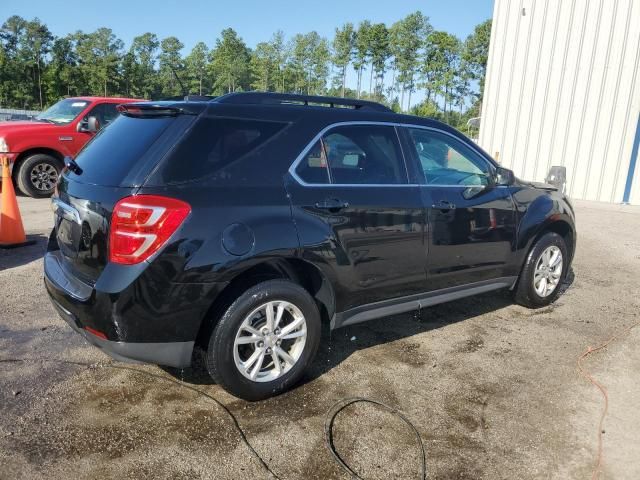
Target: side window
x=110 y=113
x=105 y=113
x=313 y=167
x=446 y=160
x=213 y=143
x=364 y=154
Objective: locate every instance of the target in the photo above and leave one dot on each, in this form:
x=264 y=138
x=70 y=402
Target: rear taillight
x=141 y=224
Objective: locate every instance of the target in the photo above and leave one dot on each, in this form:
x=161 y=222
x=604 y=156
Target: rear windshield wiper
x=72 y=165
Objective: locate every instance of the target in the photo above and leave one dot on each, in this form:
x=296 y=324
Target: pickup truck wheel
x=543 y=272
x=37 y=175
x=265 y=340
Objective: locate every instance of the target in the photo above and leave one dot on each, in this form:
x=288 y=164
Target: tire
x=37 y=175
x=224 y=356
x=528 y=291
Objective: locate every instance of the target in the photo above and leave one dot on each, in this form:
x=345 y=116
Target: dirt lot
x=492 y=387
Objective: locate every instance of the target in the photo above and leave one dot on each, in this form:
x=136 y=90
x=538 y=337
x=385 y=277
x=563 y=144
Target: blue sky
x=199 y=20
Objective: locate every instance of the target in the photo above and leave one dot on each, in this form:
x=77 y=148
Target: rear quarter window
x=214 y=143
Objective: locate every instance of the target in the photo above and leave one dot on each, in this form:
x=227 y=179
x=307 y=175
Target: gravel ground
x=492 y=387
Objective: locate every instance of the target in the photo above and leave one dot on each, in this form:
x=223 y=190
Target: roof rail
x=268 y=98
x=189 y=98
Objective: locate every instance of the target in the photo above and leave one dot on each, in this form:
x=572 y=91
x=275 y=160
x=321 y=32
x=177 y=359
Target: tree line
x=390 y=63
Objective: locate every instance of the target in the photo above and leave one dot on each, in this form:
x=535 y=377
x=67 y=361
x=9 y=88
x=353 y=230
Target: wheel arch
x=555 y=223
x=564 y=229
x=302 y=272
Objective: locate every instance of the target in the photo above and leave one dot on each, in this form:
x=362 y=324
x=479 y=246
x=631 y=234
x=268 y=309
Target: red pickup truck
x=37 y=148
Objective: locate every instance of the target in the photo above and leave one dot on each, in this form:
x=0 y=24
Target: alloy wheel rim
x=548 y=271
x=44 y=176
x=270 y=341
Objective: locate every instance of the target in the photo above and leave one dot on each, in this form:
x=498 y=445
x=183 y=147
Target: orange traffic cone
x=11 y=229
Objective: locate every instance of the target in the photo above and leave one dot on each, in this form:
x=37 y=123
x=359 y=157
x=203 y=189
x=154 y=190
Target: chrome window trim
x=396 y=125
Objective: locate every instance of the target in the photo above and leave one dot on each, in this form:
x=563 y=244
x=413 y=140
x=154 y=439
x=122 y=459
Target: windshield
x=63 y=112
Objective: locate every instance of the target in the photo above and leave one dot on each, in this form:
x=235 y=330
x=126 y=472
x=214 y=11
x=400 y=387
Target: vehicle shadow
x=15 y=257
x=338 y=345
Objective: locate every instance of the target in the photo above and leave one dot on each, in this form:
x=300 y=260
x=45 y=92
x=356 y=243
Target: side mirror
x=557 y=177
x=352 y=159
x=504 y=176
x=91 y=125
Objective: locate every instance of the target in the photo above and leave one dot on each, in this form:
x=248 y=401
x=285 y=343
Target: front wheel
x=265 y=340
x=543 y=272
x=37 y=175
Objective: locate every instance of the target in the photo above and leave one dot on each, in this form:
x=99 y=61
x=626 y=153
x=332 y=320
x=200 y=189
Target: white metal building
x=563 y=88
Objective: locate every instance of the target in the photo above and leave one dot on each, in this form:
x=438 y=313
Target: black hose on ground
x=329 y=421
x=341 y=405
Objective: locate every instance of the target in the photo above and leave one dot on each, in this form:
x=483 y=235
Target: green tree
x=461 y=85
x=476 y=52
x=142 y=60
x=36 y=43
x=362 y=50
x=319 y=64
x=343 y=44
x=281 y=57
x=197 y=64
x=380 y=52
x=440 y=68
x=264 y=67
x=171 y=68
x=62 y=73
x=297 y=64
x=99 y=55
x=407 y=37
x=36 y=69
x=230 y=63
x=309 y=63
x=15 y=83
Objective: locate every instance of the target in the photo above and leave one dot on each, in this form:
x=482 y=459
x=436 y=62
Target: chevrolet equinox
x=241 y=223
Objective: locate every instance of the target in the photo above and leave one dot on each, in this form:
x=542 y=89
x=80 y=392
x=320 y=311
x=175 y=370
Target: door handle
x=332 y=204
x=444 y=205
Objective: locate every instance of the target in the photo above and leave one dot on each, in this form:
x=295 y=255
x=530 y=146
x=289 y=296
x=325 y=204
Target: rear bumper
x=139 y=334
x=173 y=354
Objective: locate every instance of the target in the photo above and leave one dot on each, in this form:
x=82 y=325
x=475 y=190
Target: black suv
x=242 y=223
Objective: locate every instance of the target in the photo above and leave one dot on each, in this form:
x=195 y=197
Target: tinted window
x=364 y=154
x=446 y=160
x=114 y=151
x=313 y=167
x=214 y=143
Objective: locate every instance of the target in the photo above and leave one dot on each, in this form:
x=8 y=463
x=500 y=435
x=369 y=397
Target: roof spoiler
x=259 y=98
x=152 y=110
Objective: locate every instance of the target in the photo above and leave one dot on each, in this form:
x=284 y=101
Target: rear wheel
x=265 y=340
x=37 y=175
x=543 y=272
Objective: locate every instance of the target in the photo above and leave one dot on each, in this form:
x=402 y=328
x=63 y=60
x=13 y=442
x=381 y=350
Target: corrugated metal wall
x=563 y=88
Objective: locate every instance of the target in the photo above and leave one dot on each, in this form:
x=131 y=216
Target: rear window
x=117 y=149
x=214 y=143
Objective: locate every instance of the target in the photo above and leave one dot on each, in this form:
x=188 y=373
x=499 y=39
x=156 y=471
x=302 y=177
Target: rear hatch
x=110 y=167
